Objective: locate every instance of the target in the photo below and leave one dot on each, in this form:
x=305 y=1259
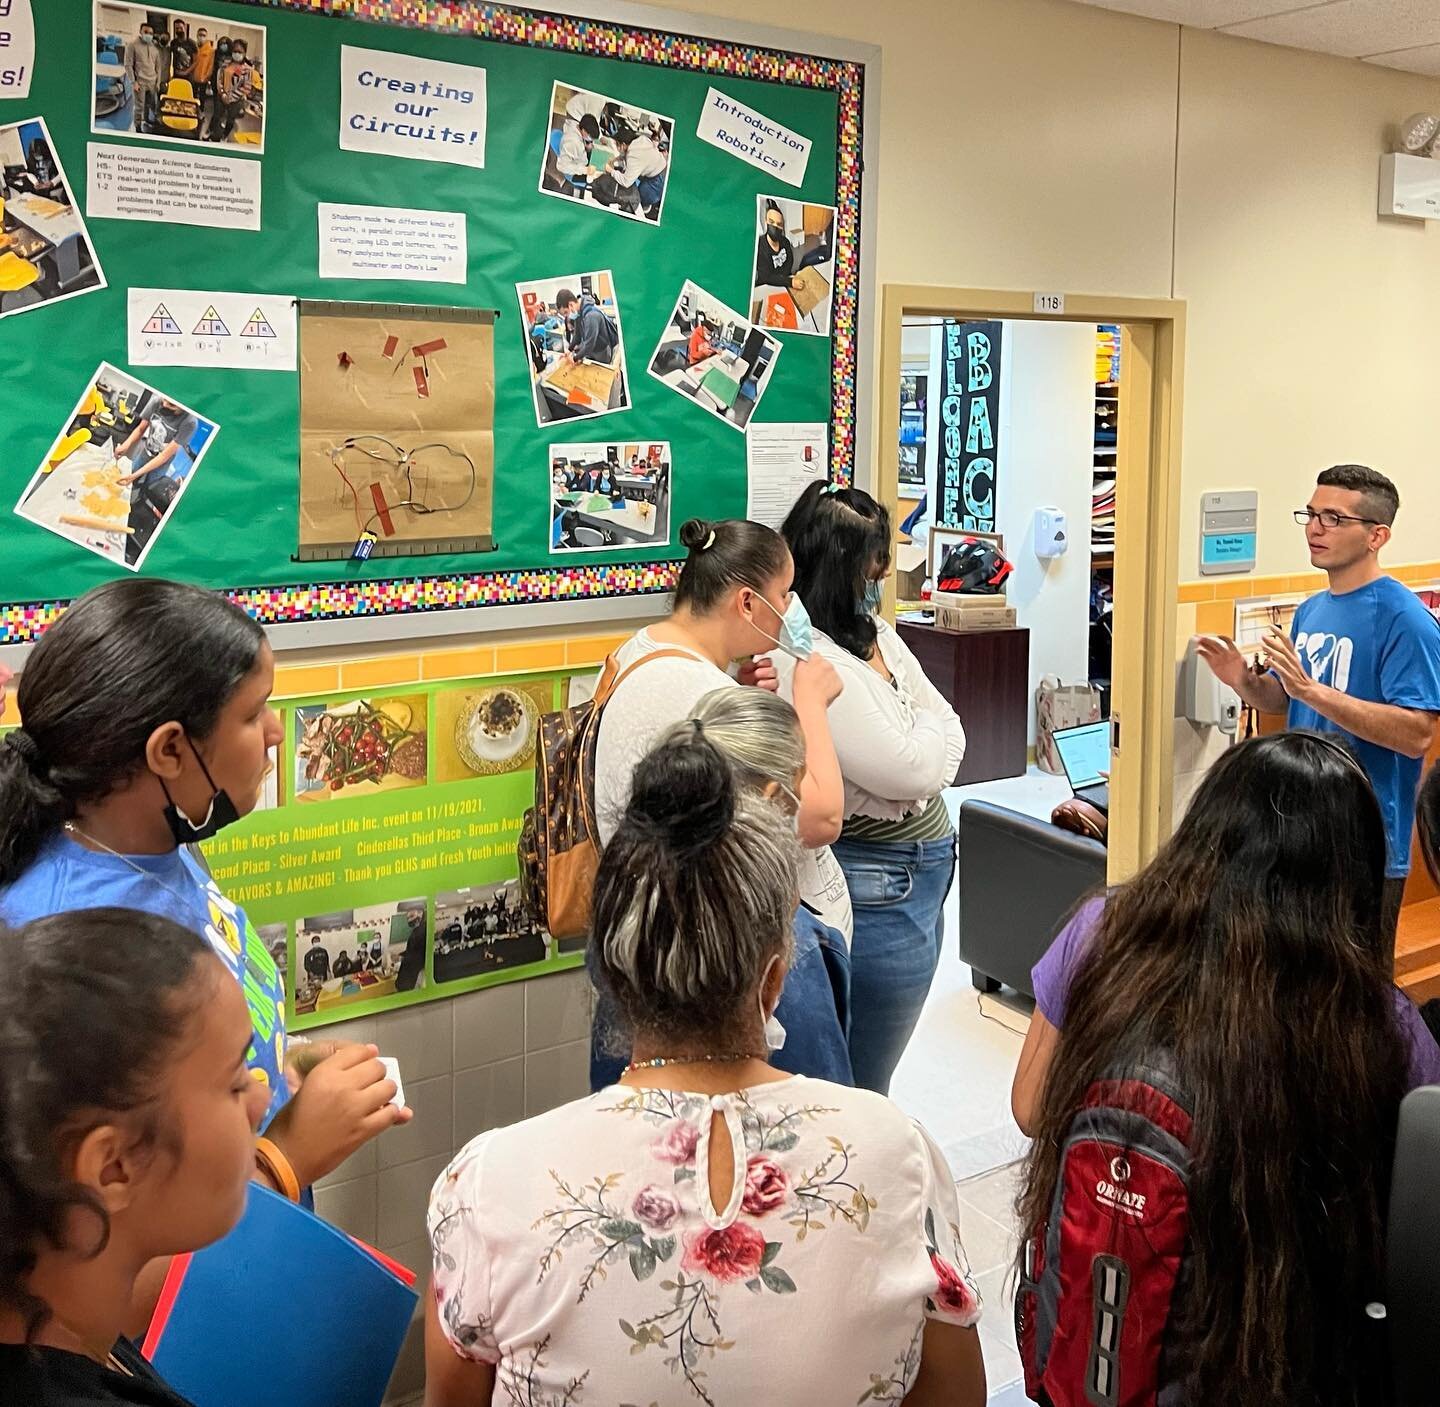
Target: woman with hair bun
x=690 y=1231
x=129 y=1145
x=733 y=601
x=758 y=734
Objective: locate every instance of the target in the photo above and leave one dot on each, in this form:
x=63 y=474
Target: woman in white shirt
x=900 y=745
x=733 y=600
x=658 y=1241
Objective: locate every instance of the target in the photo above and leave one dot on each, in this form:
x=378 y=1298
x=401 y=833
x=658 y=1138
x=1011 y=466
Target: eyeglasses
x=1329 y=518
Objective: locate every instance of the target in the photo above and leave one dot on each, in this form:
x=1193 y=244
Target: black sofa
x=1019 y=879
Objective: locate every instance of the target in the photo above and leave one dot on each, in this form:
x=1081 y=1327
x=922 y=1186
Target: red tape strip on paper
x=391 y=343
x=426 y=348
x=422 y=382
x=382 y=510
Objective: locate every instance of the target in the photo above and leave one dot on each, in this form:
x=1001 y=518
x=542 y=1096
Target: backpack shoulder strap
x=614 y=676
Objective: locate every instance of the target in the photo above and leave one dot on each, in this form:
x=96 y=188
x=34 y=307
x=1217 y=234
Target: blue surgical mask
x=874 y=597
x=797 y=635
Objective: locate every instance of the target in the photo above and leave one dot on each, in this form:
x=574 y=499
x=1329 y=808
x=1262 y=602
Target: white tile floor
x=955 y=1078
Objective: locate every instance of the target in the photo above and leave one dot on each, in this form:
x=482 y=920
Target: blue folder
x=286 y=1309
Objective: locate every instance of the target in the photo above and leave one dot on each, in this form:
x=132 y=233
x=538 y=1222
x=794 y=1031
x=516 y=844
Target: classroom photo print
x=712 y=355
x=606 y=154
x=576 y=357
x=117 y=469
x=359 y=955
x=194 y=79
x=45 y=251
x=489 y=731
x=609 y=496
x=794 y=266
x=482 y=930
x=361 y=747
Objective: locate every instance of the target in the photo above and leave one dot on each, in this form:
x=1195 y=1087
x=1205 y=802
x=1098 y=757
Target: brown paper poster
x=397 y=415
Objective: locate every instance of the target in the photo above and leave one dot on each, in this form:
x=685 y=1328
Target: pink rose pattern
x=677 y=1144
x=712 y=1258
x=655 y=1207
x=766 y=1186
x=952 y=1294
x=734 y=1253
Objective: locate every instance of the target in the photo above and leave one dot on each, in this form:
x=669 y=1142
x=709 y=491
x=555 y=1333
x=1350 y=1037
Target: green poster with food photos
x=379 y=867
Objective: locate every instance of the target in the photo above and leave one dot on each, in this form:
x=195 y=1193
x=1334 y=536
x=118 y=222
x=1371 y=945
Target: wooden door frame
x=1146 y=524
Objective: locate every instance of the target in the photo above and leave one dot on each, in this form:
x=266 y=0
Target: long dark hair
x=840 y=539
x=1250 y=950
x=723 y=555
x=92 y=1007
x=126 y=658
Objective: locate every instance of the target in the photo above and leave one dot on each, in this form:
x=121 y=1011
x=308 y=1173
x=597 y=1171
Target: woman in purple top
x=1250 y=952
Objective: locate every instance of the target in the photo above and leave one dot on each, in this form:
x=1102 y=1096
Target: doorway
x=962 y=1031
x=1145 y=422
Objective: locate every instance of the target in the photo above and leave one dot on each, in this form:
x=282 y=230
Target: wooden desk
x=985 y=677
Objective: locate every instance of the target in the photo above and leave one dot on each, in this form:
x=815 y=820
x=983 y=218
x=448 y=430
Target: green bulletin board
x=235 y=528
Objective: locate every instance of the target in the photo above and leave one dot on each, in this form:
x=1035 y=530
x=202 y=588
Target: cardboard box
x=955 y=611
x=910 y=567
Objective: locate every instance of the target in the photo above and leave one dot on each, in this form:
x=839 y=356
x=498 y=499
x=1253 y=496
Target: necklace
x=661 y=1061
x=71 y=829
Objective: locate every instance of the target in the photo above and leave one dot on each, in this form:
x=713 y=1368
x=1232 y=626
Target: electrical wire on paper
x=403 y=460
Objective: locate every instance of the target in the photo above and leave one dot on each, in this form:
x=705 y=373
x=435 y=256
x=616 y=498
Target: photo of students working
x=606 y=153
x=794 y=266
x=709 y=353
x=45 y=250
x=117 y=468
x=572 y=341
x=609 y=495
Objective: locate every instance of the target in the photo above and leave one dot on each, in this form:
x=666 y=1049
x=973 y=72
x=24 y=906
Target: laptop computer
x=1085 y=756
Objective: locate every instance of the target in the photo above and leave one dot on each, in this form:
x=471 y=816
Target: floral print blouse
x=581 y=1254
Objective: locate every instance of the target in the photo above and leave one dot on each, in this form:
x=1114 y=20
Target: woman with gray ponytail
x=761 y=737
x=667 y=1227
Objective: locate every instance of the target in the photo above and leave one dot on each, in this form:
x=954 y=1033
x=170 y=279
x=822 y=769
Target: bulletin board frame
x=411 y=605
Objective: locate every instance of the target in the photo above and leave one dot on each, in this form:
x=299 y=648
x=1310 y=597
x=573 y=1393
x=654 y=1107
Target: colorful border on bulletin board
x=25 y=622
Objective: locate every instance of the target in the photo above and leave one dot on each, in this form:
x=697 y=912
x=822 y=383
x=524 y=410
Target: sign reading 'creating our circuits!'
x=969 y=426
x=727 y=123
x=399 y=105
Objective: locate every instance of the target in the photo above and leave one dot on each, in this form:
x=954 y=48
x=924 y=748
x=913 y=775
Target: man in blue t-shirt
x=1362 y=660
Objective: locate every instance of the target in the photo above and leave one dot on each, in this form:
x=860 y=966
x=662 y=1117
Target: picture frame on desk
x=942 y=539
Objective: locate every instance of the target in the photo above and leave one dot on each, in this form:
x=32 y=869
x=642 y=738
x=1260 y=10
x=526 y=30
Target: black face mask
x=222 y=811
x=776 y=232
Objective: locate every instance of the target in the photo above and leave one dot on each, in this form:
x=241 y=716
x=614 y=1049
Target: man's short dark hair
x=589 y=126
x=624 y=135
x=565 y=298
x=1382 y=500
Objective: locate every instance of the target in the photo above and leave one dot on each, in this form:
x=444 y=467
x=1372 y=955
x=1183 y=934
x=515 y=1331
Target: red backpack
x=1103 y=1275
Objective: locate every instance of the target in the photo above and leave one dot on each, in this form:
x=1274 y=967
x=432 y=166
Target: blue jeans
x=811 y=1010
x=898 y=894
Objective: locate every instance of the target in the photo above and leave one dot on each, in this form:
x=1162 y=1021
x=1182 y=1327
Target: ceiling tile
x=1202 y=14
x=1425 y=59
x=1352 y=28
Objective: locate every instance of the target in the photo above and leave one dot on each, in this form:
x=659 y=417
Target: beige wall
x=1032 y=144
x=1314 y=325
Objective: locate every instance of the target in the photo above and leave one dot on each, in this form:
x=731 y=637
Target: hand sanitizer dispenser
x=1052 y=533
x=1205 y=699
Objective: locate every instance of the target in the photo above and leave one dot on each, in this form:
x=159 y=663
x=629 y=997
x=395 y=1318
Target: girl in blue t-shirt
x=147 y=727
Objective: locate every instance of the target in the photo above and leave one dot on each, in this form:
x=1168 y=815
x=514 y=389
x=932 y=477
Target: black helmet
x=975 y=565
